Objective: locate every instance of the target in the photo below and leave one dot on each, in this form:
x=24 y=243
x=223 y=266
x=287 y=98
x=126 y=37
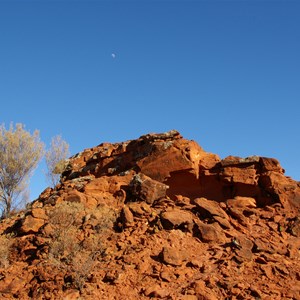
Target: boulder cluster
x=157 y=217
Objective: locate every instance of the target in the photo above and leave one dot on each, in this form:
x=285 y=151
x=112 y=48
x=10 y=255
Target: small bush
x=20 y=153
x=66 y=214
x=69 y=249
x=56 y=158
x=105 y=218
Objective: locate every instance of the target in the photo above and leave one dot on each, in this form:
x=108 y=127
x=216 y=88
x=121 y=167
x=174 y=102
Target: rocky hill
x=157 y=217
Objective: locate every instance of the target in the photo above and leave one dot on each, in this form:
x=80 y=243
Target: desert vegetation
x=56 y=159
x=5 y=247
x=20 y=154
x=72 y=250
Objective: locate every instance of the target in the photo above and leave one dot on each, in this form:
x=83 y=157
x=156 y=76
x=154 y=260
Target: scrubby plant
x=20 y=152
x=56 y=158
x=5 y=246
x=72 y=251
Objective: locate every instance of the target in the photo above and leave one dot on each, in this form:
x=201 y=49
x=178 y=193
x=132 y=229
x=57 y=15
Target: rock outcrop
x=157 y=217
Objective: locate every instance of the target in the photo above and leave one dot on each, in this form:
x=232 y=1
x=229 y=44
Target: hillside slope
x=157 y=217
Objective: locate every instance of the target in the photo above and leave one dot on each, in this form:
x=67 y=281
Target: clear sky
x=224 y=73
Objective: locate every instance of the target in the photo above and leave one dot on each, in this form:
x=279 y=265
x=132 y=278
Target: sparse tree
x=56 y=159
x=20 y=153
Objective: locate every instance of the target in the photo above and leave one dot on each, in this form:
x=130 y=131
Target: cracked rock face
x=157 y=217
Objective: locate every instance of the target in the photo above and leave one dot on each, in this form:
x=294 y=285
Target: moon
x=113 y=55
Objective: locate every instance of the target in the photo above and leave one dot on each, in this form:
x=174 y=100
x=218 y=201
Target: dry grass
x=5 y=247
x=73 y=251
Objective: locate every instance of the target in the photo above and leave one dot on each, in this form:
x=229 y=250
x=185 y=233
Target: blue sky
x=224 y=73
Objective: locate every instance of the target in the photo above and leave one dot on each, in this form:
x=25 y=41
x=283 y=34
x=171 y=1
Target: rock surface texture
x=157 y=217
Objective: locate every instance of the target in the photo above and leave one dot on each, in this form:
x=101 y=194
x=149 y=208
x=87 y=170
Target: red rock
x=78 y=197
x=167 y=275
x=223 y=222
x=238 y=161
x=213 y=210
x=239 y=205
x=195 y=263
x=241 y=243
x=241 y=202
x=146 y=189
x=212 y=207
x=235 y=175
x=188 y=297
x=177 y=218
x=203 y=292
x=72 y=295
x=97 y=185
x=31 y=224
x=75 y=196
x=120 y=195
x=270 y=164
x=127 y=217
x=171 y=256
x=294 y=226
x=171 y=155
x=243 y=248
x=12 y=285
x=210 y=232
x=286 y=190
x=39 y=213
x=139 y=208
x=156 y=291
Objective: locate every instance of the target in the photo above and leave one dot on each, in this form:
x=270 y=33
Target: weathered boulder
x=172 y=256
x=270 y=164
x=79 y=197
x=211 y=209
x=243 y=248
x=127 y=217
x=143 y=188
x=281 y=188
x=31 y=224
x=39 y=213
x=177 y=218
x=241 y=202
x=139 y=208
x=209 y=206
x=210 y=232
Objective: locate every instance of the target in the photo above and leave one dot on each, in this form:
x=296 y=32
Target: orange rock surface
x=157 y=217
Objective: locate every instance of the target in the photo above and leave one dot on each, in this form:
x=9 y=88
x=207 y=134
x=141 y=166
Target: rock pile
x=157 y=217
